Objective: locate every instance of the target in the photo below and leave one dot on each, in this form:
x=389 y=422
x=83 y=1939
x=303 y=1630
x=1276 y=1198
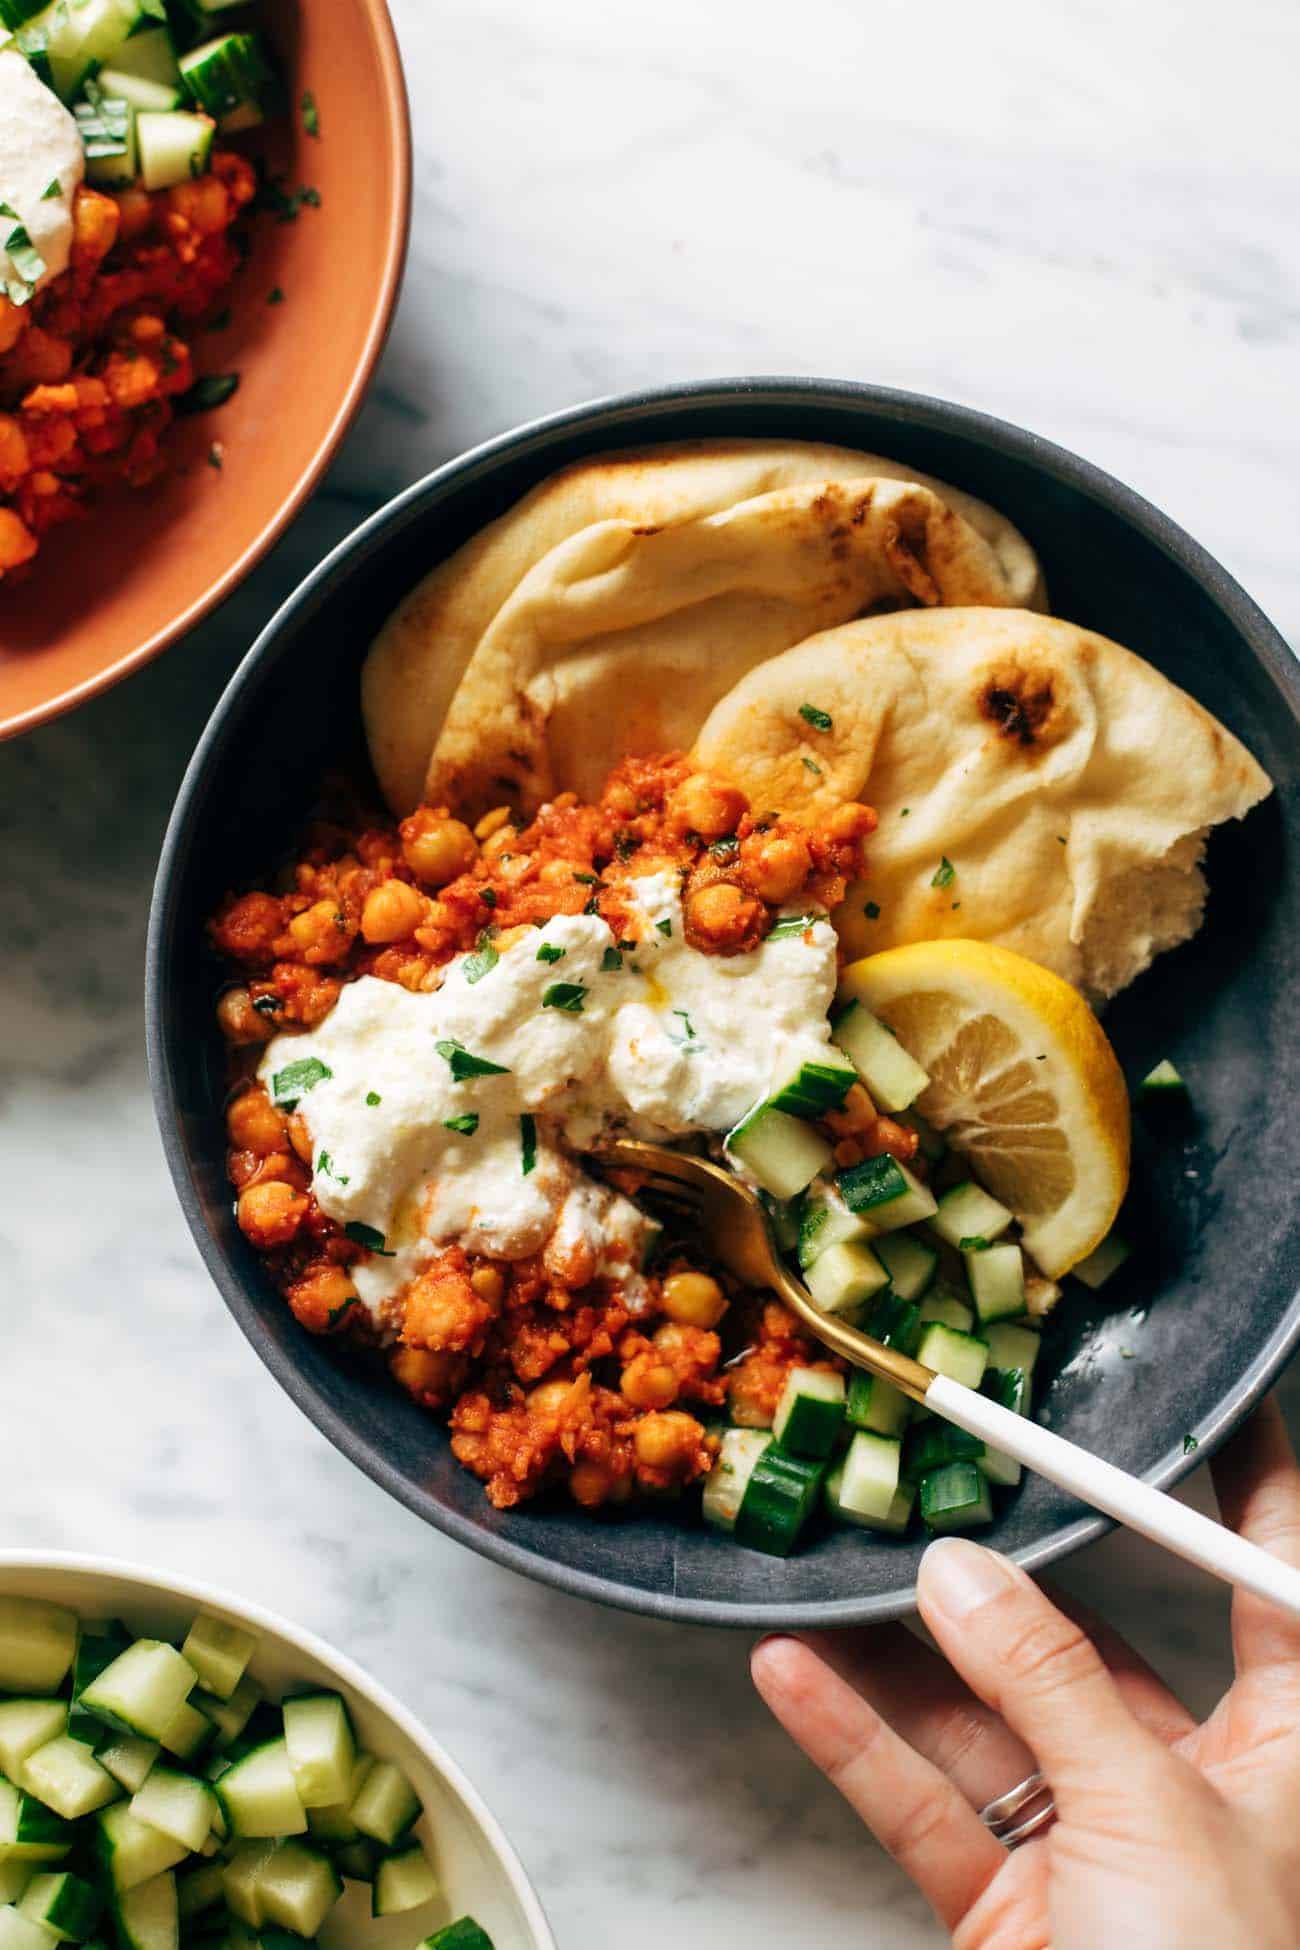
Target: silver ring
x=1019 y=1813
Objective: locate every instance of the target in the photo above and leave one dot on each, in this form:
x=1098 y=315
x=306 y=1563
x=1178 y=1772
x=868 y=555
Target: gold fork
x=732 y=1222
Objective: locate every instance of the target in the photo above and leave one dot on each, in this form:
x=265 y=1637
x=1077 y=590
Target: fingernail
x=957 y=1577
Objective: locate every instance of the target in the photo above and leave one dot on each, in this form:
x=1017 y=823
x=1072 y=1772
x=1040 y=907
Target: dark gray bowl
x=1204 y=1319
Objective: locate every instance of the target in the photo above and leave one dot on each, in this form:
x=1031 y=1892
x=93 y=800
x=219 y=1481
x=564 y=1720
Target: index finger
x=1257 y=1483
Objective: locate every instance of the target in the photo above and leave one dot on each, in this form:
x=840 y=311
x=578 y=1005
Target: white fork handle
x=1185 y=1532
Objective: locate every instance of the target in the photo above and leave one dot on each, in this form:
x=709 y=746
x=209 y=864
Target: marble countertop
x=1080 y=219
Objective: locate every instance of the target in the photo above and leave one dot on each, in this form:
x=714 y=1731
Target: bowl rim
x=622 y=412
x=397 y=139
x=346 y=1669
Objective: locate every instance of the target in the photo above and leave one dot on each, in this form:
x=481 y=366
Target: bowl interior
x=1175 y=1347
x=110 y=591
x=474 y=1865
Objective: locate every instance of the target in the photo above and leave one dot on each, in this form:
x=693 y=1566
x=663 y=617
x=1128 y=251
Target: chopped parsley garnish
x=810 y=765
x=564 y=995
x=818 y=719
x=791 y=924
x=221 y=321
x=285 y=204
x=213 y=390
x=587 y=879
x=1190 y=1443
x=1061 y=839
x=872 y=910
x=610 y=962
x=481 y=962
x=904 y=811
x=309 y=196
x=488 y=896
x=723 y=849
x=665 y=927
x=373 y=1097
x=326 y=1164
x=975 y=1242
x=689 y=1026
x=52 y=189
x=275 y=296
x=549 y=952
x=216 y=455
x=593 y=905
x=296 y=1079
x=268 y=1005
x=464 y=1064
x=527 y=1143
x=465 y=1125
x=944 y=874
x=625 y=845
x=363 y=1235
x=310 y=113
x=344 y=1306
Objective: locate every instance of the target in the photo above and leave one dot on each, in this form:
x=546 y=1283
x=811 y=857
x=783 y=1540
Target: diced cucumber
x=147 y=1916
x=968 y=1213
x=127 y=1758
x=956 y=1497
x=334 y=1823
x=297 y=1887
x=178 y=1804
x=403 y=1882
x=29 y=1831
x=82 y=37
x=876 y=1404
x=322 y=1750
x=25 y=1725
x=37 y=1645
x=893 y=1078
x=932 y=1444
x=815 y=1086
x=1102 y=1261
x=386 y=1804
x=943 y=1304
x=997 y=1281
x=188 y=1733
x=1011 y=1387
x=66 y=1905
x=18 y=1932
x=1163 y=1082
x=778 y=1502
x=258 y=1796
x=724 y=1489
x=910 y=1263
x=230 y=1717
x=895 y=1519
x=960 y=1356
x=895 y=1323
x=138 y=91
x=241 y=1880
x=779 y=1152
x=931 y=1143
x=131 y=1850
x=142 y=1689
x=463 y=1934
x=13 y=13
x=173 y=147
x=358 y=1860
x=869 y=1480
x=886 y=1192
x=200 y=1888
x=844 y=1276
x=1013 y=1347
x=14 y=1879
x=825 y=1220
x=96 y=1650
x=149 y=56
x=65 y=1775
x=810 y=1413
x=230 y=80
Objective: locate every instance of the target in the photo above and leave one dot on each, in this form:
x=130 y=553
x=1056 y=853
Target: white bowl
x=476 y=1866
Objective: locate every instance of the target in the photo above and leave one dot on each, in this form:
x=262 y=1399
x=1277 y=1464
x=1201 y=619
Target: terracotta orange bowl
x=109 y=592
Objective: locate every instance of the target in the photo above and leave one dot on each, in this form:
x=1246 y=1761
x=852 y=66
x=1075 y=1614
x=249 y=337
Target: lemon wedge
x=1022 y=1080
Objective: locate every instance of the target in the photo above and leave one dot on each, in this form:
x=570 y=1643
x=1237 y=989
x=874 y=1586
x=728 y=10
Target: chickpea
x=13 y=322
x=701 y=805
x=437 y=849
x=694 y=1299
x=392 y=911
x=851 y=822
x=590 y=1484
x=857 y=1113
x=427 y=1374
x=775 y=865
x=492 y=822
x=135 y=213
x=254 y=1124
x=648 y=1383
x=488 y=1283
x=321 y=933
x=322 y=1298
x=17 y=543
x=270 y=1212
x=721 y=912
x=300 y=1137
x=15 y=455
x=240 y=1022
x=667 y=1441
x=549 y=1398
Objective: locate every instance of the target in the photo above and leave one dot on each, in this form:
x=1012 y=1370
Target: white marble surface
x=1080 y=218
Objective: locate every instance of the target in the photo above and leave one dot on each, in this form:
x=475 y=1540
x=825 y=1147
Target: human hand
x=1169 y=1836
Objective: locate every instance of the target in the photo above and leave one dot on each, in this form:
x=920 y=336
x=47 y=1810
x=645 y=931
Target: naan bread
x=1069 y=784
x=611 y=609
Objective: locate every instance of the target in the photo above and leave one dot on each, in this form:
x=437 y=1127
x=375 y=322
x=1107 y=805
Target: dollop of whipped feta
x=40 y=147
x=653 y=1040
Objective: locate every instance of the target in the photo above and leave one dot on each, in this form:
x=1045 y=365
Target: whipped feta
x=39 y=147
x=413 y=1140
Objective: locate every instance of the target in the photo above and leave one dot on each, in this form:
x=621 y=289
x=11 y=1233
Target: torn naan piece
x=616 y=603
x=1037 y=785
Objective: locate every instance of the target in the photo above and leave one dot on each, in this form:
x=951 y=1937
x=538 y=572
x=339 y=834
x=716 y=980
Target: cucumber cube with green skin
x=67 y=1905
x=18 y=1932
x=1011 y=1346
x=25 y=1725
x=876 y=1404
x=815 y=1087
x=188 y=1733
x=230 y=1717
x=781 y=1153
x=240 y=1881
x=782 y=1220
x=130 y=1850
x=95 y=1652
x=258 y=1796
x=781 y=1496
x=65 y=1775
x=334 y=1824
x=886 y=1192
x=929 y=1445
x=127 y=1758
x=219 y=1654
x=869 y=1480
x=1102 y=1262
x=943 y=1304
x=151 y=56
x=387 y=1804
x=997 y=1281
x=463 y=1934
x=38 y=1643
x=142 y=1690
x=844 y=1276
x=359 y=1860
x=910 y=1263
x=178 y=1804
x=955 y=1497
x=403 y=1881
x=967 y=1213
x=29 y=1831
x=1010 y=1387
x=959 y=1356
x=810 y=1412
x=896 y=1518
x=322 y=1750
x=147 y=1916
x=825 y=1220
x=14 y=1878
x=724 y=1489
x=1162 y=1083
x=893 y=1078
x=297 y=1887
x=199 y=1889
x=895 y=1323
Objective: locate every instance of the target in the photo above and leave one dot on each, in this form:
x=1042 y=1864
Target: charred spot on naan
x=1025 y=706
